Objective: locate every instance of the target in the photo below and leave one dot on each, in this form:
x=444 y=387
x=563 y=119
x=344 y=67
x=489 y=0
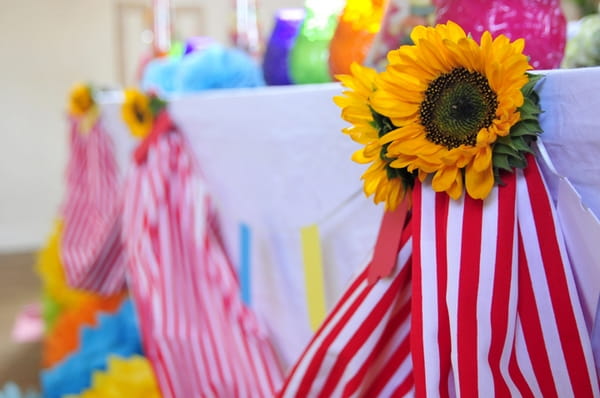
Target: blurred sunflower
x=381 y=180
x=81 y=99
x=137 y=112
x=450 y=99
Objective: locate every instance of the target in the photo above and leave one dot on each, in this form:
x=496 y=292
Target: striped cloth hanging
x=494 y=310
x=201 y=339
x=92 y=250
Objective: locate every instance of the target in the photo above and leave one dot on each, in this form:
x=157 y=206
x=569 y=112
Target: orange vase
x=359 y=23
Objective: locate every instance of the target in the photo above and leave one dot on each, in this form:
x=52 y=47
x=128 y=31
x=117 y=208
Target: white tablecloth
x=275 y=159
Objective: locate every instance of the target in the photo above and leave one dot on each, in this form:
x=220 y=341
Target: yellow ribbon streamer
x=313 y=275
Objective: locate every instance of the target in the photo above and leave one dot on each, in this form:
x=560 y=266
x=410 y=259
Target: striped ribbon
x=483 y=304
x=91 y=248
x=201 y=339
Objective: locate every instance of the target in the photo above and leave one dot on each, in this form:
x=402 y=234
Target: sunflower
x=384 y=182
x=450 y=99
x=137 y=112
x=81 y=100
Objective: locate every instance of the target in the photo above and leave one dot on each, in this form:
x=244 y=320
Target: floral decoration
x=139 y=111
x=446 y=108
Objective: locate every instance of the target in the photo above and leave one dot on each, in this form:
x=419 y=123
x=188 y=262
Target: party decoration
x=217 y=67
x=400 y=17
x=540 y=22
x=276 y=60
x=91 y=246
x=58 y=296
x=11 y=390
x=64 y=337
x=454 y=118
x=116 y=334
x=131 y=378
x=309 y=58
x=313 y=274
x=463 y=296
x=29 y=325
x=139 y=111
x=229 y=354
x=159 y=76
x=358 y=24
x=82 y=107
x=197 y=44
x=81 y=99
x=583 y=49
x=385 y=182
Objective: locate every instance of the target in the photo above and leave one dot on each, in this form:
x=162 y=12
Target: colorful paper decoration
x=63 y=339
x=217 y=67
x=276 y=60
x=58 y=296
x=309 y=59
x=131 y=378
x=540 y=22
x=313 y=275
x=116 y=334
x=358 y=24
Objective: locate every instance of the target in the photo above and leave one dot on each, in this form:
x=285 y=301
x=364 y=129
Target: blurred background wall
x=46 y=46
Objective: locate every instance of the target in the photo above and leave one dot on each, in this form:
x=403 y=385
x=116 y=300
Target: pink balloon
x=540 y=22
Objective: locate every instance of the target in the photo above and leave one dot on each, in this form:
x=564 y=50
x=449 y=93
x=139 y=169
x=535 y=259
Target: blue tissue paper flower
x=159 y=76
x=217 y=67
x=115 y=334
x=11 y=390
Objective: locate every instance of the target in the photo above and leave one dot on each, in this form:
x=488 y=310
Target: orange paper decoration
x=64 y=337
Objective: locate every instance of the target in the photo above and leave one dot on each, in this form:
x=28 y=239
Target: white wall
x=46 y=46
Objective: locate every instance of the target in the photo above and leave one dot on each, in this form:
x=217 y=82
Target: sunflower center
x=457 y=105
x=139 y=113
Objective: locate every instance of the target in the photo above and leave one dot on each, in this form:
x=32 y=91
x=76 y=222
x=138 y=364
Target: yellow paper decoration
x=50 y=269
x=131 y=378
x=313 y=275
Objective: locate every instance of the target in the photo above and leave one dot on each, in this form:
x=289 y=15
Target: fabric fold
x=198 y=335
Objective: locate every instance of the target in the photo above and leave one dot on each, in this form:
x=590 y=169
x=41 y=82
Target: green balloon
x=309 y=58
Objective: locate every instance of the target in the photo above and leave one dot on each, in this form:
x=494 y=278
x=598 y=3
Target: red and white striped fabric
x=92 y=251
x=362 y=349
x=200 y=338
x=494 y=308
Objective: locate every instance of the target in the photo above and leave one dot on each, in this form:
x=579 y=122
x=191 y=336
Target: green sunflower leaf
x=500 y=161
x=518 y=163
x=502 y=149
x=529 y=87
x=529 y=110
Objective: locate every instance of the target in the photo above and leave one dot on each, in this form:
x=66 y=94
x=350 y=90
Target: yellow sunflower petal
x=444 y=178
x=479 y=183
x=456 y=189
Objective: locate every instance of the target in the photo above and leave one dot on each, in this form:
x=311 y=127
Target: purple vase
x=540 y=22
x=275 y=63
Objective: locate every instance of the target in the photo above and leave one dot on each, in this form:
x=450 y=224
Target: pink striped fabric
x=494 y=309
x=200 y=338
x=91 y=248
